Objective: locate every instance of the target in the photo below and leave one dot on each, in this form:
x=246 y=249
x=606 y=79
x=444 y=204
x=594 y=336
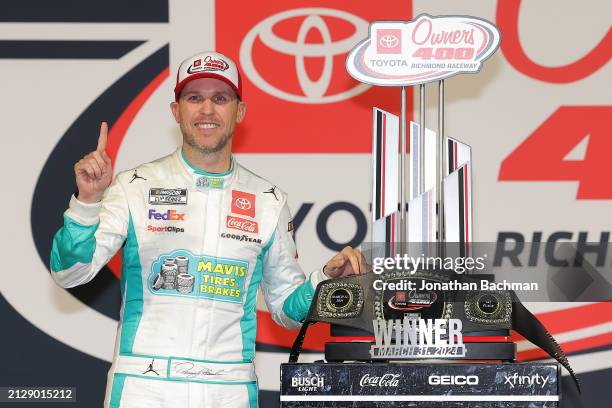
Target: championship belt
x=351 y=302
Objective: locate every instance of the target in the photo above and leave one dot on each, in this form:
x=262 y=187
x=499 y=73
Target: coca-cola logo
x=210 y=64
x=386 y=380
x=241 y=224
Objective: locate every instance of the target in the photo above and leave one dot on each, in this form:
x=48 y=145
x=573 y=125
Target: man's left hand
x=349 y=261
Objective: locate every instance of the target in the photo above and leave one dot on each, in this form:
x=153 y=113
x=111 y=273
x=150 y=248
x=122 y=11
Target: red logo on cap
x=210 y=64
x=214 y=64
x=243 y=203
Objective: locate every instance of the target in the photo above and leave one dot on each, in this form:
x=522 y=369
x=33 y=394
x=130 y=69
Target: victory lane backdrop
x=537 y=117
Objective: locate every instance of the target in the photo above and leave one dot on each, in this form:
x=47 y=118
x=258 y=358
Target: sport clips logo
x=170 y=215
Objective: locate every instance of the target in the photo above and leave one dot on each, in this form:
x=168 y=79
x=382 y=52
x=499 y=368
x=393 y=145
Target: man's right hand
x=94 y=172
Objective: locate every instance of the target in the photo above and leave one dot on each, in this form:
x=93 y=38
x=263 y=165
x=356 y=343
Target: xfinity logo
x=453 y=380
x=525 y=380
x=387 y=380
x=308 y=382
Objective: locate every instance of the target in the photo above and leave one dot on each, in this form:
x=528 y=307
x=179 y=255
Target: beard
x=192 y=140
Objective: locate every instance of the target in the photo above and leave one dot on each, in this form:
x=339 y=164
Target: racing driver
x=200 y=234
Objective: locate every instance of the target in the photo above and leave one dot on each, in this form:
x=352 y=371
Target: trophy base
x=360 y=351
x=445 y=385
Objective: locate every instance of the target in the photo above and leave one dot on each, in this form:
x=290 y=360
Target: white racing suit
x=197 y=247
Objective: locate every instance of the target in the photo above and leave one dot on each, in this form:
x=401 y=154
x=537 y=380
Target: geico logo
x=170 y=215
x=453 y=380
x=170 y=228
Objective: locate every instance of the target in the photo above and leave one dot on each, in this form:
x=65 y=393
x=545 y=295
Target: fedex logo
x=170 y=215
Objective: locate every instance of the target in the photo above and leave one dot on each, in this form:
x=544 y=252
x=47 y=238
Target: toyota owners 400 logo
x=314 y=92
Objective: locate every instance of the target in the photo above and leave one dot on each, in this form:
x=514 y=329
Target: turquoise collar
x=205 y=173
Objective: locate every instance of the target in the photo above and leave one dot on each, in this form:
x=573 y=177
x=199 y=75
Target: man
x=200 y=234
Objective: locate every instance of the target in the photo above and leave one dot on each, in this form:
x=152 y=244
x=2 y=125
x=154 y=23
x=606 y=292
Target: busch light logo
x=386 y=380
x=308 y=381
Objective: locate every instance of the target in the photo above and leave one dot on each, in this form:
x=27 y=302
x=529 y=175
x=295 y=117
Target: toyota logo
x=388 y=41
x=313 y=91
x=243 y=203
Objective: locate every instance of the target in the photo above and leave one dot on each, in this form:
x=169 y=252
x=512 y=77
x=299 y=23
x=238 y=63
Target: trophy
x=421 y=310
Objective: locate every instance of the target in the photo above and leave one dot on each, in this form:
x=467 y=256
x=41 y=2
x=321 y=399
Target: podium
x=419 y=385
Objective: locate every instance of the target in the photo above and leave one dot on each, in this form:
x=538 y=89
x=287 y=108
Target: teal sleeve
x=73 y=243
x=297 y=304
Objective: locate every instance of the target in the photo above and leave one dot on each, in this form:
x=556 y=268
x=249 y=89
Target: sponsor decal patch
x=182 y=273
x=170 y=215
x=243 y=203
x=170 y=228
x=210 y=182
x=241 y=224
x=168 y=196
x=241 y=238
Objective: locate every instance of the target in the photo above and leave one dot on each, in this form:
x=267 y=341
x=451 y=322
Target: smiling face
x=207 y=112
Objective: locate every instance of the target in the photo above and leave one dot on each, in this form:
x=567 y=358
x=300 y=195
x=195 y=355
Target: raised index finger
x=103 y=137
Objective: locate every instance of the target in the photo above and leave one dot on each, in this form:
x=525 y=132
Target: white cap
x=208 y=64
